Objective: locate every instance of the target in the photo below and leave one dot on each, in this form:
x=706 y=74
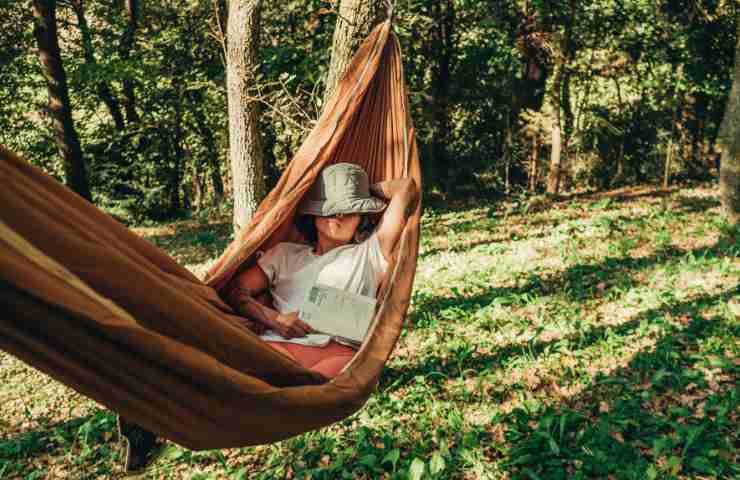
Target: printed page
x=336 y=312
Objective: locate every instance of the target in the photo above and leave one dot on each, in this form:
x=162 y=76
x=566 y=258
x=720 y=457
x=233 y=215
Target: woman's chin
x=337 y=237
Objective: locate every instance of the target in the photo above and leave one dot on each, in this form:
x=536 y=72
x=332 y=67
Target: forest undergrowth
x=591 y=337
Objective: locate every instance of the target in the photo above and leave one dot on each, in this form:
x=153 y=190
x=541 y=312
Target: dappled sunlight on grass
x=590 y=337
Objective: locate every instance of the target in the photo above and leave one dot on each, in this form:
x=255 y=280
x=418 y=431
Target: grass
x=593 y=337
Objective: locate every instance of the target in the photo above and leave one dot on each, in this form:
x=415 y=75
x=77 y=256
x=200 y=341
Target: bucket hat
x=341 y=188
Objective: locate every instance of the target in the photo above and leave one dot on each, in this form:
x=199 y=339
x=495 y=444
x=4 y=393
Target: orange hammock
x=100 y=309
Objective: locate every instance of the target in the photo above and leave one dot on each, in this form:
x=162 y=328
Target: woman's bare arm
x=243 y=298
x=403 y=196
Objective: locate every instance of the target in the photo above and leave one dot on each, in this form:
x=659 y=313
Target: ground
x=595 y=336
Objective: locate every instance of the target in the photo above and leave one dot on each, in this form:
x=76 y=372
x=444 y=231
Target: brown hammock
x=98 y=308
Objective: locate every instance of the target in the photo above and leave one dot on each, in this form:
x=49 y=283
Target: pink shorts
x=328 y=360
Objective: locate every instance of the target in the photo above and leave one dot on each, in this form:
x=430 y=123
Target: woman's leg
x=328 y=360
x=330 y=367
x=279 y=346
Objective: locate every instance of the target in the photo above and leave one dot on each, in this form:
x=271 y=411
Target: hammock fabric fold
x=98 y=308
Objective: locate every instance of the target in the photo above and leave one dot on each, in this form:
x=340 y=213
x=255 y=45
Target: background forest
x=506 y=95
x=571 y=317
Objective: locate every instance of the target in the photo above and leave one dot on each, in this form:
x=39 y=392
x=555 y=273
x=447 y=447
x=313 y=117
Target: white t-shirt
x=293 y=268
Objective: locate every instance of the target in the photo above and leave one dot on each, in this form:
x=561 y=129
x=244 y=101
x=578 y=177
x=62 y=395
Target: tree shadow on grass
x=463 y=361
x=467 y=246
x=620 y=195
x=665 y=410
x=673 y=410
x=578 y=283
x=614 y=196
x=697 y=204
x=90 y=432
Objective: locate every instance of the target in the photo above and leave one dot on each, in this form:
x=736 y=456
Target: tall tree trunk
x=689 y=133
x=729 y=172
x=355 y=20
x=199 y=186
x=670 y=151
x=560 y=100
x=567 y=109
x=620 y=156
x=217 y=181
x=102 y=87
x=553 y=175
x=245 y=146
x=533 y=162
x=60 y=110
x=442 y=50
x=179 y=152
x=124 y=50
x=528 y=92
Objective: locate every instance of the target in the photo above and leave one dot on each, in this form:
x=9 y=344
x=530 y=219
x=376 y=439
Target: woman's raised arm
x=403 y=196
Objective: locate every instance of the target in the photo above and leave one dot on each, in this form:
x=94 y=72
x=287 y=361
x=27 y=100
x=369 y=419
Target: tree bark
x=729 y=172
x=553 y=175
x=199 y=187
x=179 y=152
x=567 y=109
x=245 y=146
x=355 y=20
x=689 y=130
x=620 y=156
x=533 y=162
x=127 y=44
x=60 y=110
x=103 y=89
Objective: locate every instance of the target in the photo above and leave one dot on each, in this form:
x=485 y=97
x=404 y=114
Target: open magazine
x=343 y=315
x=333 y=314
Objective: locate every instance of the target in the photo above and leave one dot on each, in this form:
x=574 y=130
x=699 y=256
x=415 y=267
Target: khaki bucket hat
x=341 y=188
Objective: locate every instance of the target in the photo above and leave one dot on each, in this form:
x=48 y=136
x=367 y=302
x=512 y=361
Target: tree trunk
x=668 y=162
x=245 y=146
x=179 y=152
x=529 y=91
x=533 y=162
x=199 y=190
x=508 y=154
x=124 y=50
x=442 y=50
x=104 y=91
x=355 y=20
x=729 y=172
x=567 y=109
x=620 y=155
x=689 y=135
x=60 y=110
x=553 y=175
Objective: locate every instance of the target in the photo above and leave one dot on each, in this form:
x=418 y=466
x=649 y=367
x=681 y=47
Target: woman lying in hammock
x=332 y=219
x=329 y=219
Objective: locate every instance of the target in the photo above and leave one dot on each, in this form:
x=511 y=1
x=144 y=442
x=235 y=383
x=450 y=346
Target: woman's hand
x=256 y=327
x=289 y=325
x=388 y=188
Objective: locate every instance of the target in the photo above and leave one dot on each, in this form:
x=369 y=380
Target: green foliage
x=634 y=92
